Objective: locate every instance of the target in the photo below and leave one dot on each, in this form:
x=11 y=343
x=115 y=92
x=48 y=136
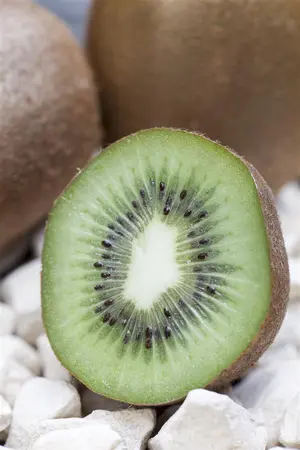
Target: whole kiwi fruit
x=164 y=268
x=227 y=68
x=49 y=122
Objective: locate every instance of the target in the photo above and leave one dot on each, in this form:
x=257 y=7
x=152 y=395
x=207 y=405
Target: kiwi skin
x=225 y=68
x=279 y=290
x=49 y=123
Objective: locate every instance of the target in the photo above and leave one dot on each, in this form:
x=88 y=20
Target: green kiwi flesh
x=156 y=267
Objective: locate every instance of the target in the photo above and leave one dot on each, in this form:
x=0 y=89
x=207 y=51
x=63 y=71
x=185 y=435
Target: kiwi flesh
x=164 y=268
x=49 y=123
x=225 y=68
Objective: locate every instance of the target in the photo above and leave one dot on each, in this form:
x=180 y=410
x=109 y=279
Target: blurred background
x=72 y=12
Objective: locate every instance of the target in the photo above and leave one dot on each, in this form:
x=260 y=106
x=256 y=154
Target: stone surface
x=165 y=416
x=12 y=347
x=133 y=425
x=47 y=426
x=270 y=391
x=290 y=428
x=5 y=414
x=209 y=421
x=7 y=319
x=21 y=289
x=289 y=332
x=275 y=355
x=40 y=399
x=12 y=377
x=89 y=437
x=51 y=367
x=294 y=266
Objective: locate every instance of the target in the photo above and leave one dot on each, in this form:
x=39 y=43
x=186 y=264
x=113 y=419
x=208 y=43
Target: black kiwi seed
x=168 y=332
x=106 y=256
x=106 y=317
x=105 y=275
x=142 y=193
x=98 y=264
x=204 y=241
x=148 y=343
x=98 y=287
x=211 y=290
x=121 y=221
x=98 y=309
x=106 y=244
x=149 y=332
x=181 y=303
x=108 y=302
x=167 y=312
x=183 y=194
x=187 y=213
x=162 y=186
x=203 y=255
x=126 y=337
x=130 y=215
x=203 y=214
x=111 y=226
x=112 y=321
x=135 y=204
x=167 y=210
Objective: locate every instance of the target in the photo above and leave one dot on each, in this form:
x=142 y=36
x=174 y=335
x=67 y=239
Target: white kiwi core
x=153 y=268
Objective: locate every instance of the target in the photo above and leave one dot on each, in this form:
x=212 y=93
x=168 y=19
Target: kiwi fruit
x=49 y=123
x=226 y=68
x=164 y=268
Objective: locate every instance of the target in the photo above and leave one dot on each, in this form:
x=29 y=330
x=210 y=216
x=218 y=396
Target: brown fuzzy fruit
x=227 y=68
x=48 y=116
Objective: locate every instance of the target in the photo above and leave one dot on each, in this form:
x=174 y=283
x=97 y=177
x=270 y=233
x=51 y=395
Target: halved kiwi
x=164 y=268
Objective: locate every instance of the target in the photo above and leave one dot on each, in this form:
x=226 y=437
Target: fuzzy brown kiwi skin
x=279 y=291
x=49 y=122
x=225 y=68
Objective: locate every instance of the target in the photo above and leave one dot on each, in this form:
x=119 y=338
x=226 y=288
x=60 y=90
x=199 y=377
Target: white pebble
x=47 y=426
x=91 y=437
x=13 y=347
x=290 y=428
x=40 y=399
x=275 y=355
x=294 y=266
x=288 y=199
x=51 y=366
x=12 y=377
x=166 y=415
x=7 y=319
x=21 y=289
x=5 y=414
x=91 y=401
x=270 y=391
x=133 y=425
x=289 y=332
x=207 y=420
